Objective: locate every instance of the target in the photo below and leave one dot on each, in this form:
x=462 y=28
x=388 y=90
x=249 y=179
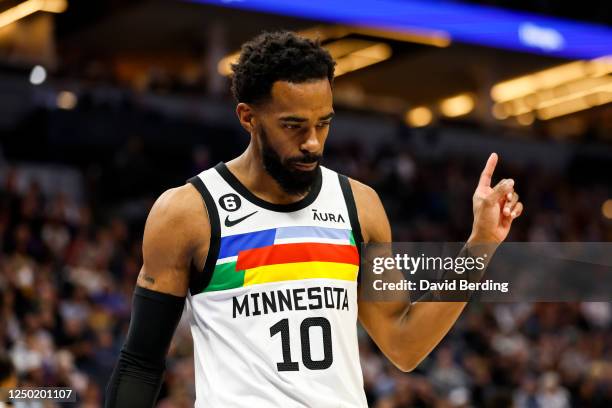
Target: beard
x=290 y=179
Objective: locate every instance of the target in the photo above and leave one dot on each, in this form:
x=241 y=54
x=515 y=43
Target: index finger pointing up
x=487 y=173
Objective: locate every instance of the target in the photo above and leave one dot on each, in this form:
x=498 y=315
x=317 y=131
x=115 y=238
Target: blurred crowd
x=68 y=267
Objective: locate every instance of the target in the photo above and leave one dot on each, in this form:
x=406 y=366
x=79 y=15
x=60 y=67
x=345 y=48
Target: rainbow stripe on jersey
x=282 y=254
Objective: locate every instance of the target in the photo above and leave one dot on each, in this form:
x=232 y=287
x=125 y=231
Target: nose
x=312 y=143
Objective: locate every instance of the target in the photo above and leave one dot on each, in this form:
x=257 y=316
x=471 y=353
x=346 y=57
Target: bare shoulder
x=177 y=234
x=362 y=191
x=178 y=205
x=372 y=215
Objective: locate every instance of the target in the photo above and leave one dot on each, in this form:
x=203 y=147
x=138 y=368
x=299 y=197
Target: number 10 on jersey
x=282 y=327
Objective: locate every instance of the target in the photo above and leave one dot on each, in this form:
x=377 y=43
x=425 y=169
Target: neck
x=248 y=169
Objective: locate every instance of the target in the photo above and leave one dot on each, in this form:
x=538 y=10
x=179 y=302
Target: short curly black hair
x=278 y=56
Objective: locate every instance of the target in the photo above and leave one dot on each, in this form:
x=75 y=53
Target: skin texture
x=296 y=120
x=177 y=234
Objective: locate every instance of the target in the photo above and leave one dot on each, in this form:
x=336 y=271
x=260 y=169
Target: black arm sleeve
x=138 y=374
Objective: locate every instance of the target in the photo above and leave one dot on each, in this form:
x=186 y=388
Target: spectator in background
x=8 y=376
x=551 y=394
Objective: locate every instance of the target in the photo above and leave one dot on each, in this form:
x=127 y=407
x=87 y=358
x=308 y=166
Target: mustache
x=308 y=158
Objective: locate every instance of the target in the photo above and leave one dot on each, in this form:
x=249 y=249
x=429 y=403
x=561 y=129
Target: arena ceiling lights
x=554 y=92
x=24 y=9
x=350 y=54
x=452 y=107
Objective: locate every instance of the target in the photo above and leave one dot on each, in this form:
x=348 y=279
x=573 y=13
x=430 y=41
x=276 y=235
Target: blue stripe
x=312 y=232
x=231 y=245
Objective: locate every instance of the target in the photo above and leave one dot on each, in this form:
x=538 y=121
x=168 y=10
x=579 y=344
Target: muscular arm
x=406 y=333
x=176 y=235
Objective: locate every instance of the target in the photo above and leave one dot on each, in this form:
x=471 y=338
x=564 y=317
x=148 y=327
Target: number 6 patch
x=230 y=202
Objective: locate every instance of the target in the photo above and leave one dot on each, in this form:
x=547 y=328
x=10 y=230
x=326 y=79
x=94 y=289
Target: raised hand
x=494 y=207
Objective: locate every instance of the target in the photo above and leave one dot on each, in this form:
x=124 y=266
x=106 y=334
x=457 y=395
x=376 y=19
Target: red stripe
x=300 y=252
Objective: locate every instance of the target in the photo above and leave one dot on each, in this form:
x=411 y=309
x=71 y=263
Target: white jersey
x=274 y=313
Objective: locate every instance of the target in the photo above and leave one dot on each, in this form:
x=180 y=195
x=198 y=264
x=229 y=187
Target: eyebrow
x=301 y=120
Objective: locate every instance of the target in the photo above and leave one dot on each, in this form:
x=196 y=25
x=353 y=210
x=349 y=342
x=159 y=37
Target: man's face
x=291 y=129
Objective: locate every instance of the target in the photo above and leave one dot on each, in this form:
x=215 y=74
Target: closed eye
x=290 y=126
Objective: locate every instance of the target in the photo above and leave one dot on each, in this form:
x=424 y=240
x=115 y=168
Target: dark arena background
x=106 y=104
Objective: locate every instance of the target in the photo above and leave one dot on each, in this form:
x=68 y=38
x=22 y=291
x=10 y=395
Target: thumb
x=501 y=190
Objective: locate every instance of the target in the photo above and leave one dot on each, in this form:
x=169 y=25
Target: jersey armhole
x=351 y=207
x=199 y=279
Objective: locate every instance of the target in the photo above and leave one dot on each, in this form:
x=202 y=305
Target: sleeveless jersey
x=274 y=313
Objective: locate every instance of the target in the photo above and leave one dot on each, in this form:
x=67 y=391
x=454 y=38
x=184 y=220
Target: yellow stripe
x=300 y=270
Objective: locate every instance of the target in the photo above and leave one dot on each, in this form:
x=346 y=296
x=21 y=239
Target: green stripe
x=225 y=277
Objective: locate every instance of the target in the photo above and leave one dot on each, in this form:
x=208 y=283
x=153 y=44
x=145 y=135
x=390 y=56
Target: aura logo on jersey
x=321 y=216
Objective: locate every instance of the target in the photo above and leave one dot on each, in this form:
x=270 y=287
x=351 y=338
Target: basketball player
x=264 y=249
